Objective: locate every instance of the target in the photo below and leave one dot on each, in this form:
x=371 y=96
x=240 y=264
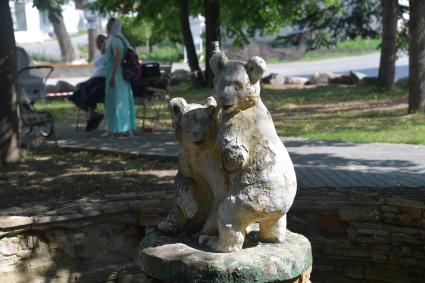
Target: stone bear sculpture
x=200 y=182
x=262 y=181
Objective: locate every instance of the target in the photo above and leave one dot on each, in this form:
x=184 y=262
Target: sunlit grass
x=164 y=52
x=352 y=47
x=358 y=114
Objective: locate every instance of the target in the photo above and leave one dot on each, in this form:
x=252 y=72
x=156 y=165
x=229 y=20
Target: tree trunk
x=212 y=33
x=9 y=123
x=65 y=44
x=91 y=44
x=389 y=43
x=150 y=46
x=417 y=56
x=197 y=78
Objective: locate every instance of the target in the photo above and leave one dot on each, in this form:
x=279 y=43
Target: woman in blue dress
x=119 y=102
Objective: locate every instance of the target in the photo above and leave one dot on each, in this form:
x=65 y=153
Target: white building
x=32 y=25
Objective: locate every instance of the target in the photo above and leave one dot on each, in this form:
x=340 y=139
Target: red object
x=332 y=222
x=59 y=94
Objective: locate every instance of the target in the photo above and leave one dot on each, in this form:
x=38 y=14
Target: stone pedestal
x=171 y=259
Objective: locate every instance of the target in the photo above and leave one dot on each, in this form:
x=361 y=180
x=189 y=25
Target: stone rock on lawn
x=277 y=80
x=296 y=81
x=320 y=78
x=342 y=80
x=329 y=78
x=274 y=79
x=357 y=76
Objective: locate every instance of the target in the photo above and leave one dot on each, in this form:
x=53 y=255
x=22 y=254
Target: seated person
x=92 y=91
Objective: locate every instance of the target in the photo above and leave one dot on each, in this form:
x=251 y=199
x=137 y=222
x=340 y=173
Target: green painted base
x=168 y=259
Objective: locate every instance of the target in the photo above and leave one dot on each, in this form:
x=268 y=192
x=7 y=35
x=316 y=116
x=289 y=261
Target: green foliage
x=84 y=50
x=325 y=22
x=403 y=36
x=140 y=31
x=161 y=16
x=48 y=4
x=37 y=57
x=137 y=31
x=166 y=51
x=52 y=6
x=360 y=44
x=266 y=16
x=242 y=19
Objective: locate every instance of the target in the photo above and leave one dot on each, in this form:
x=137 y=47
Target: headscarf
x=116 y=30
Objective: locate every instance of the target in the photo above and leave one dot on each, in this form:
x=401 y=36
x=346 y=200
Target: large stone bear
x=262 y=181
x=200 y=182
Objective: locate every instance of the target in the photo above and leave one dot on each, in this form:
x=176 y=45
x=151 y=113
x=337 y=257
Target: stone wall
x=83 y=241
x=358 y=235
x=363 y=235
x=75 y=252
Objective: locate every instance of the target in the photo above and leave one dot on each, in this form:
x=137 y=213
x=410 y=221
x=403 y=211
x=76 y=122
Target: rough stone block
x=359 y=213
x=405 y=202
x=357 y=252
x=332 y=222
x=8 y=248
x=14 y=221
x=136 y=278
x=353 y=270
x=377 y=257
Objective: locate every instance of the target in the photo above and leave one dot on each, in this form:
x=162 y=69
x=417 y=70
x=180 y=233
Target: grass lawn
x=352 y=47
x=345 y=48
x=359 y=114
x=164 y=52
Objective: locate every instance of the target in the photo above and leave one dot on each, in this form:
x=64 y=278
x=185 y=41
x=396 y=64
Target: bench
x=153 y=87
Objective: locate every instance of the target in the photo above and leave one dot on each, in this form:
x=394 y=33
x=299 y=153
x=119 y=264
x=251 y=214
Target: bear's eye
x=238 y=86
x=176 y=109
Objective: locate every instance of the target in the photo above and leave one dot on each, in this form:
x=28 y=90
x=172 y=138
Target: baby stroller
x=31 y=83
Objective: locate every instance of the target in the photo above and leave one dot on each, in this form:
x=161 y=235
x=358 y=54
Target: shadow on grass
x=51 y=176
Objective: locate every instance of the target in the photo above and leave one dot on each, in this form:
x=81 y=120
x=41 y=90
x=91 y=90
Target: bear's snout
x=196 y=136
x=227 y=107
x=227 y=101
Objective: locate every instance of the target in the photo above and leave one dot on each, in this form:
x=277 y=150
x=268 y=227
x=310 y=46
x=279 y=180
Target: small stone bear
x=200 y=182
x=262 y=181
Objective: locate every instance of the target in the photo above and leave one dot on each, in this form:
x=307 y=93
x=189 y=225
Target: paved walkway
x=318 y=163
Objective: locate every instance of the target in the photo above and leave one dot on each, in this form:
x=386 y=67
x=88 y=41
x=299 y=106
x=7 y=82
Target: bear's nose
x=225 y=107
x=195 y=133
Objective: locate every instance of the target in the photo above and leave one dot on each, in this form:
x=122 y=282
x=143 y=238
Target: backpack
x=130 y=64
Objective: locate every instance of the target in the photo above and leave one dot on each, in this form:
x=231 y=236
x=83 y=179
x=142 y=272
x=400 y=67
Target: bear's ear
x=255 y=68
x=177 y=106
x=211 y=106
x=217 y=61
